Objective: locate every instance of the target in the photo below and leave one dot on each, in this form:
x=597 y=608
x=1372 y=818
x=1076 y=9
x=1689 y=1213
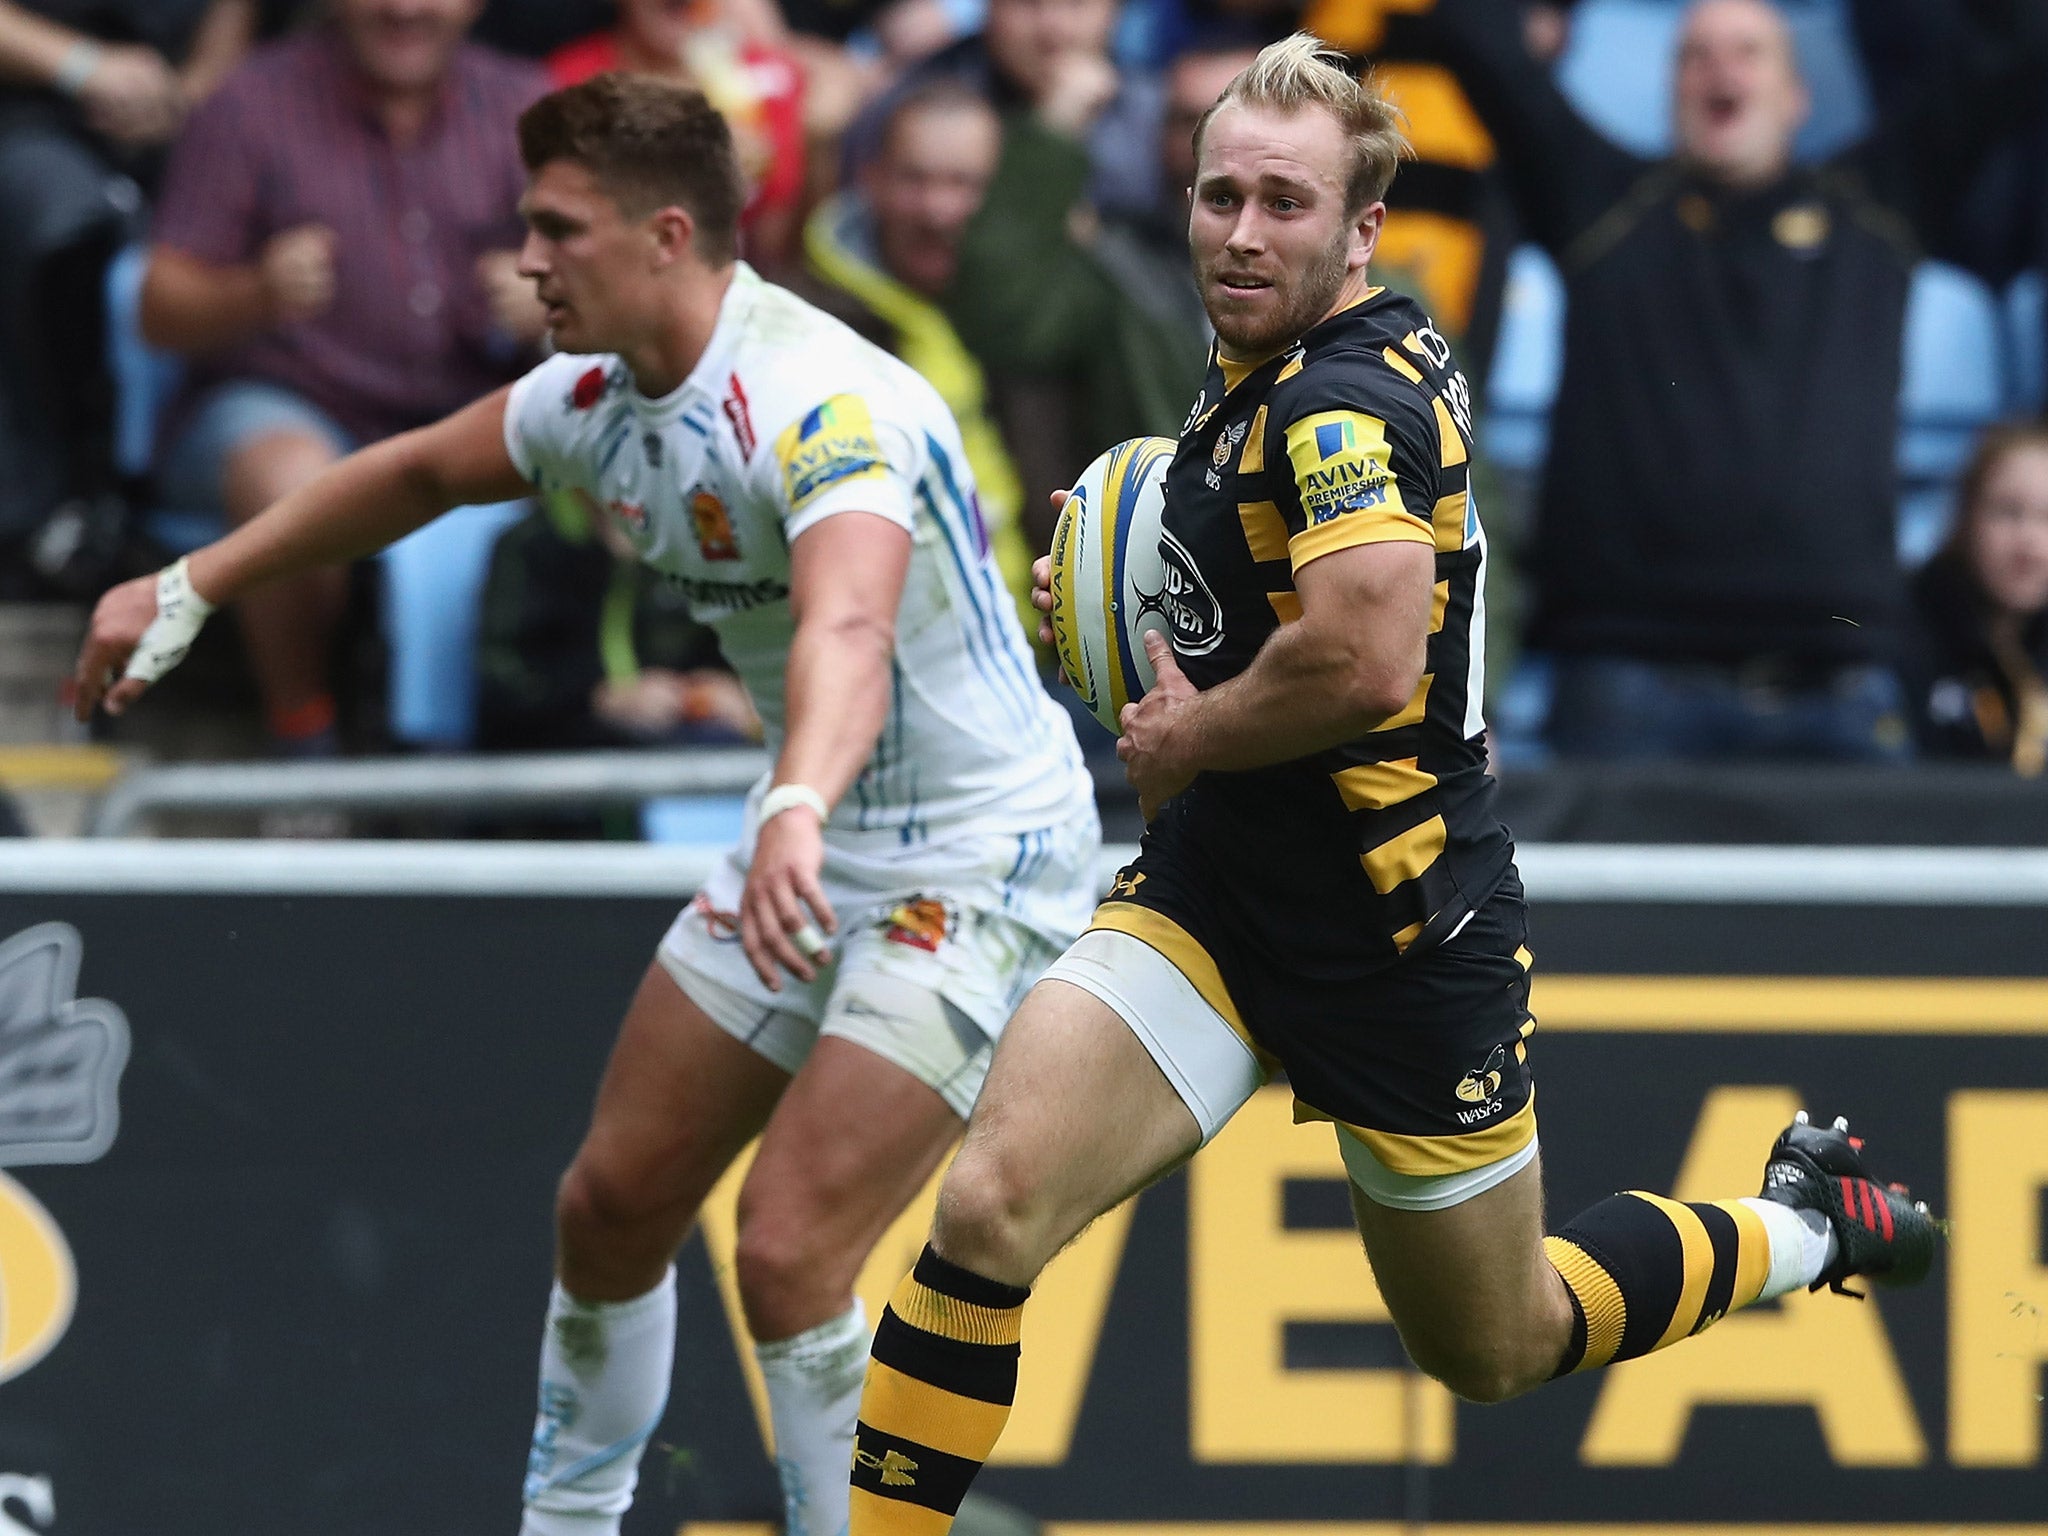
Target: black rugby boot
x=1880 y=1229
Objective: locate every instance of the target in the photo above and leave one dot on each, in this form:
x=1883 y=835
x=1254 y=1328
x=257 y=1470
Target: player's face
x=1739 y=97
x=593 y=267
x=924 y=187
x=1275 y=249
x=405 y=45
x=2009 y=543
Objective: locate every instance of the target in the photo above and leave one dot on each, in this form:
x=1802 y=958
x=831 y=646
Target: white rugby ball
x=1108 y=576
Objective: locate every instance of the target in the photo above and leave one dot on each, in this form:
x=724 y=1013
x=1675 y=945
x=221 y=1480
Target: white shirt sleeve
x=836 y=457
x=544 y=408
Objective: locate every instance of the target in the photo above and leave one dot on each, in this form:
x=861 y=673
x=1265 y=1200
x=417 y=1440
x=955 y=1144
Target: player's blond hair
x=1299 y=72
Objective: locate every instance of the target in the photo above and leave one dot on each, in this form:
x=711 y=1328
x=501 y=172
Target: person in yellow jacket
x=879 y=255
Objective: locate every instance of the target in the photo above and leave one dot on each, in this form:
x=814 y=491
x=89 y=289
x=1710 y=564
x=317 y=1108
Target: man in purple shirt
x=334 y=254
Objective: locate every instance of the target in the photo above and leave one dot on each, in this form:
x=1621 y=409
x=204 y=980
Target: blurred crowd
x=1750 y=296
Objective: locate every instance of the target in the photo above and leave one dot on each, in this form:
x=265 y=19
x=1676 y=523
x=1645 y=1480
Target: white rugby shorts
x=936 y=946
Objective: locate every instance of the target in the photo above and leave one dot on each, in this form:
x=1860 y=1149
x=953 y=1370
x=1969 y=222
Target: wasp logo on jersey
x=835 y=442
x=713 y=526
x=1226 y=444
x=1341 y=464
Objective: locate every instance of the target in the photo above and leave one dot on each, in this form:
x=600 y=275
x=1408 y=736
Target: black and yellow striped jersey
x=1361 y=433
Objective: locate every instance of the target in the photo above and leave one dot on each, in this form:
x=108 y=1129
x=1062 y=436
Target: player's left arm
x=847 y=507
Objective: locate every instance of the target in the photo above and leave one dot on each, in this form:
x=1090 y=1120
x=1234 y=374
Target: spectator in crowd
x=1449 y=228
x=1714 y=557
x=881 y=255
x=336 y=254
x=1103 y=305
x=583 y=646
x=1051 y=56
x=89 y=94
x=1978 y=661
x=758 y=86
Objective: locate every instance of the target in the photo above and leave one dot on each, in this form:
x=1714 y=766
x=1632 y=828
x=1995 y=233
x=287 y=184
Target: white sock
x=604 y=1373
x=1802 y=1245
x=814 y=1383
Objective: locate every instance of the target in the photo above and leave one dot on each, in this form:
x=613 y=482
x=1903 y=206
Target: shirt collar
x=716 y=362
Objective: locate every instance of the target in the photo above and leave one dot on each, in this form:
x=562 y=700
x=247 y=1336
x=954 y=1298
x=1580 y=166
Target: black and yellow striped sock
x=939 y=1389
x=1645 y=1272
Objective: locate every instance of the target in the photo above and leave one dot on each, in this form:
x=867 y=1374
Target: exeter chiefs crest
x=60 y=1071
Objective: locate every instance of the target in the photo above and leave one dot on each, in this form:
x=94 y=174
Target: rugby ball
x=1109 y=576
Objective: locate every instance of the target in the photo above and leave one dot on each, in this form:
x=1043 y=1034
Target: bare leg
x=1074 y=1119
x=1478 y=1305
x=680 y=1098
x=827 y=1182
x=288 y=625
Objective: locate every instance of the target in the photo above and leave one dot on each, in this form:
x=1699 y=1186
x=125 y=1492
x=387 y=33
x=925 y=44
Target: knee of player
x=776 y=1258
x=594 y=1199
x=1479 y=1368
x=989 y=1219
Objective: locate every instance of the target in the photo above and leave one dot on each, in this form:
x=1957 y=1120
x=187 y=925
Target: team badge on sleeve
x=833 y=443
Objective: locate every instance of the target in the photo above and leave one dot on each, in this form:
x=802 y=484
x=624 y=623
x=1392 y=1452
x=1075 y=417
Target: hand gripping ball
x=1109 y=579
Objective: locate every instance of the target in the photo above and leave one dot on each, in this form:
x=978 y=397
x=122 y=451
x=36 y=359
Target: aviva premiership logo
x=60 y=1070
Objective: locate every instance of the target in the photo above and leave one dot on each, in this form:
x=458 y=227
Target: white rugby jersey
x=788 y=418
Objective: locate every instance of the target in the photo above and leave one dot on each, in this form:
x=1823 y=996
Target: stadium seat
x=144 y=378
x=1954 y=385
x=1618 y=67
x=2026 y=320
x=433 y=591
x=1527 y=360
x=716 y=821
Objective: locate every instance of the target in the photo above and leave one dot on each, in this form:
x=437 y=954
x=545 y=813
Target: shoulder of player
x=1354 y=374
x=570 y=391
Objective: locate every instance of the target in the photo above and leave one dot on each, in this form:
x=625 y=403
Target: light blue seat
x=704 y=821
x=1953 y=386
x=2026 y=323
x=433 y=579
x=1528 y=357
x=433 y=602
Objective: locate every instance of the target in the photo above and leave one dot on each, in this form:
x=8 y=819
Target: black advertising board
x=274 y=1235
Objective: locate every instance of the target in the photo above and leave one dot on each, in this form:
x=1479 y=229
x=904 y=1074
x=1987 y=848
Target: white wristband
x=180 y=612
x=786 y=797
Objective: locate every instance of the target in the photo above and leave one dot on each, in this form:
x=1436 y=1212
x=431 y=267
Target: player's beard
x=1304 y=299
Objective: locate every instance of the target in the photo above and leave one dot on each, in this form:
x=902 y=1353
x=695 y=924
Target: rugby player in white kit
x=923 y=847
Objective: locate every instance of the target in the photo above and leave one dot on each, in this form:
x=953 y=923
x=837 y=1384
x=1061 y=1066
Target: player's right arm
x=366 y=501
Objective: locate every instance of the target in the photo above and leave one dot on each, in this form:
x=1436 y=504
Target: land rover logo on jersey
x=715 y=538
x=1190 y=608
x=60 y=1071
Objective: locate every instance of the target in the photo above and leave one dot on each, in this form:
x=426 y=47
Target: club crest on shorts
x=919 y=923
x=713 y=526
x=1480 y=1086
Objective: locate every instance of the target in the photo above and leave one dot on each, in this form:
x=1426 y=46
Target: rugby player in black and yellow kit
x=1324 y=887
